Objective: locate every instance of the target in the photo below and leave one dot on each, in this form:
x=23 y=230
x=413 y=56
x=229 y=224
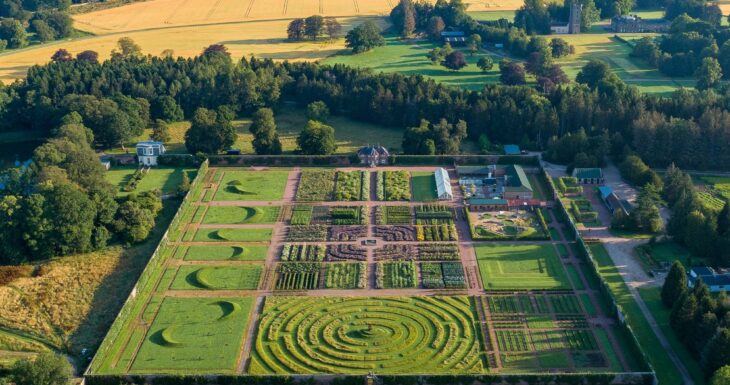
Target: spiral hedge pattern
x=387 y=335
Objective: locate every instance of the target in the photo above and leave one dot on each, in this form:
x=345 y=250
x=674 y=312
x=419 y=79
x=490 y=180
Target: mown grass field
x=350 y=135
x=239 y=277
x=409 y=57
x=667 y=373
x=396 y=334
x=232 y=235
x=180 y=337
x=225 y=215
x=223 y=253
x=251 y=185
x=165 y=179
x=521 y=267
x=423 y=186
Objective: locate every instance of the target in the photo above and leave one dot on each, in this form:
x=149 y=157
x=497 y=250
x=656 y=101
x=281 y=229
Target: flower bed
x=312 y=233
x=316 y=185
x=298 y=276
x=345 y=253
x=396 y=275
x=302 y=253
x=347 y=233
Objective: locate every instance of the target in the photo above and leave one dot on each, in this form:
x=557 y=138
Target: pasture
x=521 y=267
x=201 y=334
x=389 y=335
x=408 y=57
x=237 y=185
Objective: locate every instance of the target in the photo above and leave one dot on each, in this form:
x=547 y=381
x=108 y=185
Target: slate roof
x=588 y=173
x=517 y=179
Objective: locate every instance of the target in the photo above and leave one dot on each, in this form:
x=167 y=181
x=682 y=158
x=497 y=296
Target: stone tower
x=575 y=17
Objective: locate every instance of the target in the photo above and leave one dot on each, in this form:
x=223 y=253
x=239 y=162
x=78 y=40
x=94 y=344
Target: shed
x=588 y=175
x=516 y=184
x=511 y=149
x=443 y=184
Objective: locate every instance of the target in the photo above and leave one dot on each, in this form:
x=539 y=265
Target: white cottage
x=148 y=152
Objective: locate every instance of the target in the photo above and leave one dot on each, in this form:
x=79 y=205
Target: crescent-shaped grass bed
x=239 y=277
x=201 y=335
x=228 y=215
x=238 y=185
x=226 y=253
x=232 y=235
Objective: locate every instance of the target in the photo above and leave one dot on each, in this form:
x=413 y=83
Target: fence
x=146 y=278
x=604 y=289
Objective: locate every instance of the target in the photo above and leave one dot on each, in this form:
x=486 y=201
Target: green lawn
x=251 y=185
x=521 y=267
x=226 y=215
x=350 y=135
x=409 y=58
x=200 y=334
x=387 y=335
x=242 y=277
x=670 y=251
x=232 y=235
x=166 y=179
x=662 y=364
x=492 y=15
x=423 y=186
x=652 y=299
x=220 y=253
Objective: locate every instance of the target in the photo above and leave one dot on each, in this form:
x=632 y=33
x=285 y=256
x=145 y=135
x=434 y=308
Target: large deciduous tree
x=317 y=138
x=210 y=132
x=265 y=138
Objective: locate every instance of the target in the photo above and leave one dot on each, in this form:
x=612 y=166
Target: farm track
x=248 y=9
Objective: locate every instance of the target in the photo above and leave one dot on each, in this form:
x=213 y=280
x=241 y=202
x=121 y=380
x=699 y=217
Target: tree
x=717 y=352
x=593 y=72
x=683 y=315
x=317 y=138
x=409 y=18
x=318 y=111
x=160 y=131
x=296 y=30
x=511 y=74
x=167 y=109
x=721 y=376
x=708 y=74
x=265 y=138
x=723 y=218
x=134 y=222
x=61 y=55
x=13 y=32
x=559 y=47
x=364 y=37
x=454 y=61
x=313 y=26
x=474 y=43
x=435 y=27
x=126 y=48
x=88 y=56
x=216 y=49
x=184 y=184
x=645 y=215
x=485 y=63
x=417 y=140
x=46 y=369
x=210 y=132
x=675 y=284
x=533 y=17
x=333 y=27
x=42 y=30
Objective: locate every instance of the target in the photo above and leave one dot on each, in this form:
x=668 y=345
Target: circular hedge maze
x=388 y=335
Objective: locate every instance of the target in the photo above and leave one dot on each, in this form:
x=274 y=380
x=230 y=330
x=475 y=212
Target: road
x=621 y=251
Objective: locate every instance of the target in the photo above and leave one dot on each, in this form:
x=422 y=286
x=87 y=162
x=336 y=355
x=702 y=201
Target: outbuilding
x=443 y=184
x=588 y=175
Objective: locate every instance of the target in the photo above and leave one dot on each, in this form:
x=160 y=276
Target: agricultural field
x=521 y=267
x=236 y=185
x=514 y=225
x=329 y=283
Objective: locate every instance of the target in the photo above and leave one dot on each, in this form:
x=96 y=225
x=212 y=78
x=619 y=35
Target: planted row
x=441 y=232
x=298 y=276
x=302 y=253
x=396 y=275
x=316 y=185
x=352 y=186
x=345 y=275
